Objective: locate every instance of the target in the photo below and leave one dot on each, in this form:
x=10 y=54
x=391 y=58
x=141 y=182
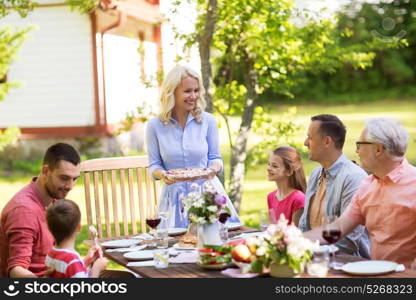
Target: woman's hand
x=215 y=169
x=167 y=179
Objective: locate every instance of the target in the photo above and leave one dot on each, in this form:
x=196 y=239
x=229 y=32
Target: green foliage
x=27 y=166
x=89 y=147
x=23 y=7
x=8 y=136
x=82 y=6
x=273 y=132
x=389 y=28
x=10 y=43
x=228 y=98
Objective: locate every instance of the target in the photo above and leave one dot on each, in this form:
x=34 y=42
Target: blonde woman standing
x=183 y=135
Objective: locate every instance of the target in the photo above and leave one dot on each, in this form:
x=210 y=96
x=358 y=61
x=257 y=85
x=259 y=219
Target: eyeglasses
x=358 y=144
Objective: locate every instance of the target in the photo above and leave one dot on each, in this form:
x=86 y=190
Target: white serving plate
x=176 y=231
x=178 y=247
x=120 y=243
x=370 y=267
x=139 y=255
x=233 y=225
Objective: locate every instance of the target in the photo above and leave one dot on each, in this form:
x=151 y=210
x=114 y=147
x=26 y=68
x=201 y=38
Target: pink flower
x=220 y=200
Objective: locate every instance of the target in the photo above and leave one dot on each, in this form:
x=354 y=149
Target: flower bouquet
x=282 y=246
x=203 y=210
x=205 y=207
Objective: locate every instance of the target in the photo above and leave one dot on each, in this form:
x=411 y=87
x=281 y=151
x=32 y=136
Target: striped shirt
x=66 y=263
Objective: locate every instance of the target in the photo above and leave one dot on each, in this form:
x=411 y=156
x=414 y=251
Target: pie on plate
x=188 y=241
x=189 y=174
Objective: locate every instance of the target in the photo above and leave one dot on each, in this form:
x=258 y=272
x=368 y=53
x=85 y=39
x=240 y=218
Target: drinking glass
x=264 y=220
x=331 y=232
x=153 y=221
x=161 y=258
x=223 y=217
x=318 y=266
x=163 y=230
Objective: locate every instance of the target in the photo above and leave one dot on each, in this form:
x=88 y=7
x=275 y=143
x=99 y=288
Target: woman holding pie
x=183 y=136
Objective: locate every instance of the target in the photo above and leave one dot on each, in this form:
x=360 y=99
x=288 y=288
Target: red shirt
x=66 y=263
x=293 y=202
x=24 y=236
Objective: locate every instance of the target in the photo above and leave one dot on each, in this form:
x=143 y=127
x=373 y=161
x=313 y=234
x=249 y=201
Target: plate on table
x=179 y=247
x=214 y=266
x=124 y=243
x=176 y=231
x=233 y=225
x=370 y=267
x=139 y=255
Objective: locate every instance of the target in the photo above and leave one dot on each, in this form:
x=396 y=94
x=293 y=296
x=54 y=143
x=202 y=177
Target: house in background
x=81 y=74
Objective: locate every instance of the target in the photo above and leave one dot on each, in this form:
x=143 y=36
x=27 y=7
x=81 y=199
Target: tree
x=270 y=45
x=204 y=37
x=393 y=70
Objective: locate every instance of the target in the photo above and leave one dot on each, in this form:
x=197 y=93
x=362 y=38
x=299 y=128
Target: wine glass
x=153 y=221
x=331 y=232
x=264 y=220
x=223 y=217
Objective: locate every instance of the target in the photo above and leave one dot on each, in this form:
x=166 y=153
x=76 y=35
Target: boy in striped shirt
x=64 y=222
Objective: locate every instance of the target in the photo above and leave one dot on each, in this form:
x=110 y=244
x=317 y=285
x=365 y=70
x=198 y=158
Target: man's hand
x=20 y=272
x=48 y=272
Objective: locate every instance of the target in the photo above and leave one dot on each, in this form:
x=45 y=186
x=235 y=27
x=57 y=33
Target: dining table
x=193 y=270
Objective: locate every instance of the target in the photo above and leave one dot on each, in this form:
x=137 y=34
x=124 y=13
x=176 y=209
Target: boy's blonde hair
x=167 y=97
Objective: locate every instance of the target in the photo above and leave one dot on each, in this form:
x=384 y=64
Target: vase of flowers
x=203 y=210
x=282 y=250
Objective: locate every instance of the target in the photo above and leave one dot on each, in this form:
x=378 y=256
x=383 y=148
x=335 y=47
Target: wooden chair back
x=119 y=192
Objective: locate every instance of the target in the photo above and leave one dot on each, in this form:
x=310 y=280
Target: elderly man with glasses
x=386 y=200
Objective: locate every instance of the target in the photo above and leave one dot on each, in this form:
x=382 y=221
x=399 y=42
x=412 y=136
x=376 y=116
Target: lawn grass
x=256 y=185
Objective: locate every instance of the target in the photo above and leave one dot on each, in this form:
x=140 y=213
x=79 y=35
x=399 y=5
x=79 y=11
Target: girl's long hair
x=167 y=97
x=292 y=163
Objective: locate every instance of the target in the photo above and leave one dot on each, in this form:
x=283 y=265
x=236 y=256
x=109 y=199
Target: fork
x=94 y=233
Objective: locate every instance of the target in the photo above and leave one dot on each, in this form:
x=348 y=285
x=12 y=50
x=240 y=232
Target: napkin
x=146 y=263
x=232 y=272
x=185 y=258
x=144 y=236
x=400 y=268
x=128 y=249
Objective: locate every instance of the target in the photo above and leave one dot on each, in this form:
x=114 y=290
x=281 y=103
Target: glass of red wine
x=153 y=221
x=331 y=232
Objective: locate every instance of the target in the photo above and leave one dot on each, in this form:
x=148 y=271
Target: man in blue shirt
x=332 y=185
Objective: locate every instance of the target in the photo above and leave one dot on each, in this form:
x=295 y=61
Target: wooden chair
x=119 y=191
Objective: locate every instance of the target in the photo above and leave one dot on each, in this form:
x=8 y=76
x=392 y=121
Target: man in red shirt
x=24 y=235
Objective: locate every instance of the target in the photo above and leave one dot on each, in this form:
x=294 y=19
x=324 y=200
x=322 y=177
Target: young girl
x=285 y=168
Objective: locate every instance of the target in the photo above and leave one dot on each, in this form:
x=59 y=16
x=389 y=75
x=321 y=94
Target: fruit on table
x=241 y=253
